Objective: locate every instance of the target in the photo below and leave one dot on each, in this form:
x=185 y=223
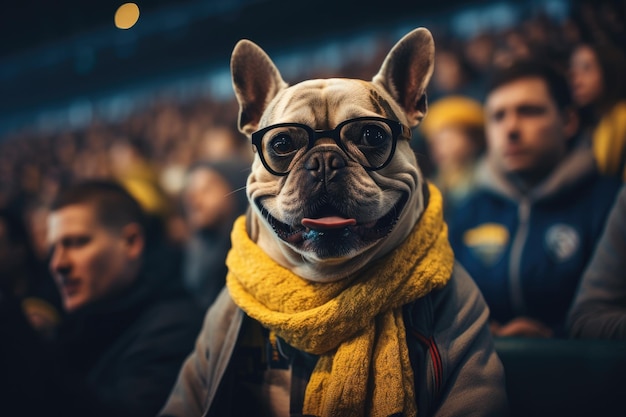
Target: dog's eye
x=373 y=135
x=282 y=144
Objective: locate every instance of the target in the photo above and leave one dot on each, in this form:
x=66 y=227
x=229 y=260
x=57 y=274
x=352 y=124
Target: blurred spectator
x=510 y=47
x=601 y=21
x=24 y=279
x=453 y=74
x=479 y=52
x=599 y=310
x=527 y=233
x=599 y=90
x=455 y=135
x=213 y=197
x=129 y=324
x=36 y=216
x=221 y=142
x=132 y=167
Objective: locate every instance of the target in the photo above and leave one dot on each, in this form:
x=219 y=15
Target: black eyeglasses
x=370 y=141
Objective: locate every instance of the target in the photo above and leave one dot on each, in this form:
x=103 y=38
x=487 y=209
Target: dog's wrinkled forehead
x=324 y=103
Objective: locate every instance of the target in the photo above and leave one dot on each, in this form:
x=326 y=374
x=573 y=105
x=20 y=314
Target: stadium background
x=63 y=62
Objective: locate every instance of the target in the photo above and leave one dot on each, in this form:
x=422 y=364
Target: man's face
x=88 y=261
x=526 y=133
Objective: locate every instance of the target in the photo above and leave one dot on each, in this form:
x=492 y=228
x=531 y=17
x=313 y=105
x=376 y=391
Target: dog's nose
x=323 y=165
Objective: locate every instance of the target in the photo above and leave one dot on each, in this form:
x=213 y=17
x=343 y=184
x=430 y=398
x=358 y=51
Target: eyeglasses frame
x=397 y=130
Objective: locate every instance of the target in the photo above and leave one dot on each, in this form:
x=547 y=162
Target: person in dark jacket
x=129 y=323
x=213 y=197
x=529 y=231
x=24 y=279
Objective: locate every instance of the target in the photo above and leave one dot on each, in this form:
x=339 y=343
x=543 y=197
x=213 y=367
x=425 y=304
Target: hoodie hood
x=577 y=166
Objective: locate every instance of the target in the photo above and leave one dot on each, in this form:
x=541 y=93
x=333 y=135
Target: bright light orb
x=126 y=16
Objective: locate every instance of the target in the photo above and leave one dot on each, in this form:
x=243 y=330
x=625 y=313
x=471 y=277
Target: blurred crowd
x=161 y=140
x=152 y=149
x=149 y=152
x=185 y=164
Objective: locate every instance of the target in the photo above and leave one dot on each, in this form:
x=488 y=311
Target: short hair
x=114 y=205
x=555 y=80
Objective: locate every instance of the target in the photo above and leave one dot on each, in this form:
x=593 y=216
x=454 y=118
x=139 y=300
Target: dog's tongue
x=331 y=222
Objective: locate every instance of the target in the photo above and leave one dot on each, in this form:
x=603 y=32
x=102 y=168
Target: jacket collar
x=577 y=166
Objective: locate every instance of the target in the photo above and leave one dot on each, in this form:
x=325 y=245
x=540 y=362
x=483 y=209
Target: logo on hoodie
x=487 y=242
x=562 y=241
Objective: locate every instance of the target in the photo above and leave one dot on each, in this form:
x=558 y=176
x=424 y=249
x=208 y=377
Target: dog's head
x=334 y=183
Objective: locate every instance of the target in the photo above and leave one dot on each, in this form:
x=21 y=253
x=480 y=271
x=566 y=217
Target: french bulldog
x=342 y=297
x=335 y=183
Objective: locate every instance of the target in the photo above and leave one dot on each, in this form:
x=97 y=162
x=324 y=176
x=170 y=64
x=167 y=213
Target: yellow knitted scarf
x=356 y=324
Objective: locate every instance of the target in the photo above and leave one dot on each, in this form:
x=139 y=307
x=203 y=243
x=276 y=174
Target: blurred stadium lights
x=185 y=47
x=126 y=16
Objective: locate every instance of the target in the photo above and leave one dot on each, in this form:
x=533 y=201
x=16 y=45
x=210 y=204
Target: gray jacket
x=458 y=371
x=599 y=309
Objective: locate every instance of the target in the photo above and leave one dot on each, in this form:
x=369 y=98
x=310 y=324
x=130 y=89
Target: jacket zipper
x=515 y=258
x=435 y=357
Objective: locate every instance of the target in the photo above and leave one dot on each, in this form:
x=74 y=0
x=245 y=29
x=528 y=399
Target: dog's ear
x=256 y=81
x=406 y=71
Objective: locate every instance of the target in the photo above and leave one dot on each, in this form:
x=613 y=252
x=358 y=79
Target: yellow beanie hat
x=453 y=110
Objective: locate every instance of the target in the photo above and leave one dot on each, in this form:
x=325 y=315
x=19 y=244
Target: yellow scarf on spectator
x=356 y=324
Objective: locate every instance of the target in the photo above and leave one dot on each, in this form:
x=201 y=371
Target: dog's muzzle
x=329 y=233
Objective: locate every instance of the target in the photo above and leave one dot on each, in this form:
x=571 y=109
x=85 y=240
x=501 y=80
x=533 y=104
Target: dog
x=342 y=297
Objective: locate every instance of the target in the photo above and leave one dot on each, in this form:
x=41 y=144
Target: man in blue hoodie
x=529 y=231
